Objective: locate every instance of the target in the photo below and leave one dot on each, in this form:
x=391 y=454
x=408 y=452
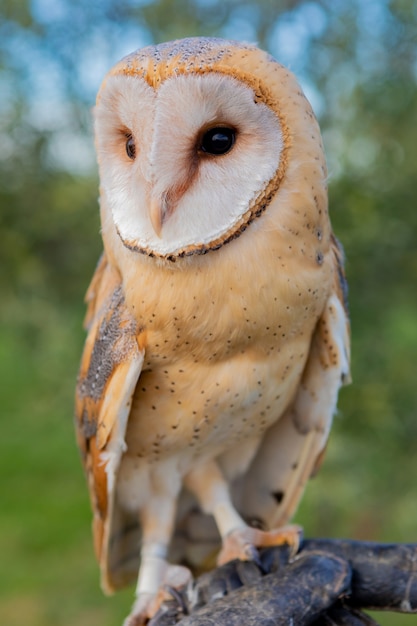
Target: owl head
x=197 y=140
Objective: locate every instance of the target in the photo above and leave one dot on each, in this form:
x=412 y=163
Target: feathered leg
x=239 y=540
x=155 y=573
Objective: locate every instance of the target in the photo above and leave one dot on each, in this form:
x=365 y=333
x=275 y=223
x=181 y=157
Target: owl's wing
x=110 y=367
x=292 y=449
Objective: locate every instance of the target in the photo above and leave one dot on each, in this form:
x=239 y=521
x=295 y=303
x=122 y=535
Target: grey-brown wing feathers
x=110 y=367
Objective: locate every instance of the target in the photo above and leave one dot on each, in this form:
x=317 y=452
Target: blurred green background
x=357 y=62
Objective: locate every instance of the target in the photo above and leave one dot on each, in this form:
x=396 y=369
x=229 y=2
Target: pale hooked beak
x=159 y=211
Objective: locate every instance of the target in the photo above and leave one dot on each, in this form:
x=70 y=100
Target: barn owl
x=218 y=336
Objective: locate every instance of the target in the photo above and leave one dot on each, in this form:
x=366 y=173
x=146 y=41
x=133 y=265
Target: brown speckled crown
x=193 y=54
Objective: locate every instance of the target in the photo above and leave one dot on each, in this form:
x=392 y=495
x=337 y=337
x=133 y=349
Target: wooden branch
x=384 y=575
x=326 y=584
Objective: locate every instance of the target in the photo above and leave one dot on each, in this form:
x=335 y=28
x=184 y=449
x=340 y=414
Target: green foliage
x=358 y=63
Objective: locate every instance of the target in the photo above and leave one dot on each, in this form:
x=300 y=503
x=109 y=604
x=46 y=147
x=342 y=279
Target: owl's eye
x=130 y=147
x=218 y=140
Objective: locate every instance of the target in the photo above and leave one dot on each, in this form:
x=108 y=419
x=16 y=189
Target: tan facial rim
x=260 y=203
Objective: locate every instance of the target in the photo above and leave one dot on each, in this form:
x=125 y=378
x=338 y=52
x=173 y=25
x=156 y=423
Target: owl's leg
x=239 y=541
x=156 y=577
x=157 y=519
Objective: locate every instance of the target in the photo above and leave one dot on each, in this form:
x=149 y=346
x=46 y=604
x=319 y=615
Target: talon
x=178 y=597
x=253 y=555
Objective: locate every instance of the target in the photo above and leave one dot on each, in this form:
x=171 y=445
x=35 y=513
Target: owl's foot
x=242 y=542
x=175 y=578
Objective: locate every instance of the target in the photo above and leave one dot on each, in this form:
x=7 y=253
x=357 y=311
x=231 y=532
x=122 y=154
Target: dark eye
x=130 y=147
x=218 y=140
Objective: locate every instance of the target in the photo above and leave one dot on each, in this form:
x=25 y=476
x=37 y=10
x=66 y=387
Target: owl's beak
x=159 y=211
